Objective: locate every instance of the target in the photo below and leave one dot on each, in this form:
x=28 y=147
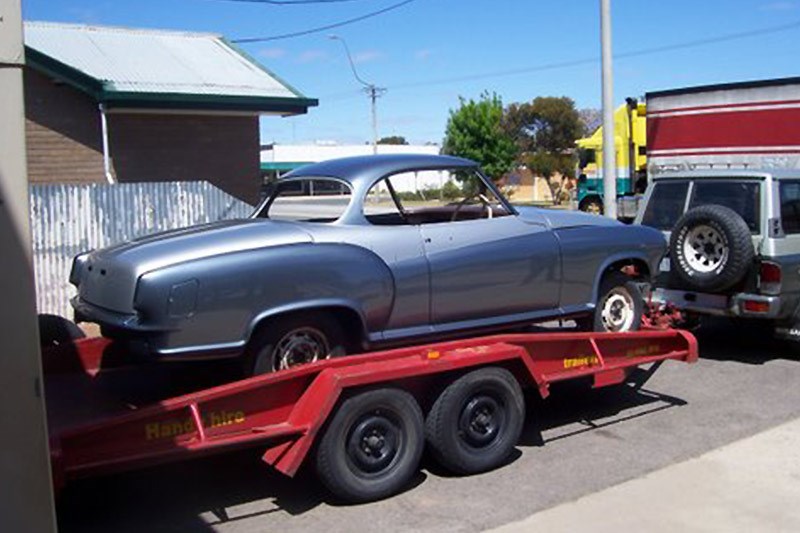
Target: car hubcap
x=374 y=443
x=481 y=421
x=705 y=249
x=618 y=311
x=300 y=346
x=593 y=208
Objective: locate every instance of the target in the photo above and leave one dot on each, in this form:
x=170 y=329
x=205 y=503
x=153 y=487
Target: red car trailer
x=367 y=416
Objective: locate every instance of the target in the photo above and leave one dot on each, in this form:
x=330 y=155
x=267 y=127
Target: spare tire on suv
x=711 y=248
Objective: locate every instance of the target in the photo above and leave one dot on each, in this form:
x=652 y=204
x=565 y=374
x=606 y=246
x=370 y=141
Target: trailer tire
x=372 y=447
x=476 y=421
x=592 y=205
x=711 y=248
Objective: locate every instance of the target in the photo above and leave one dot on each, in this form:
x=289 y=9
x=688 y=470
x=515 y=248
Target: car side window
x=790 y=206
x=431 y=197
x=666 y=204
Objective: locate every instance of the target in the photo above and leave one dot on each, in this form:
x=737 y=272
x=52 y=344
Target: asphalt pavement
x=578 y=445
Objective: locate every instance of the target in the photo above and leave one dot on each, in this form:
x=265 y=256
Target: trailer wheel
x=592 y=205
x=476 y=421
x=372 y=447
x=294 y=340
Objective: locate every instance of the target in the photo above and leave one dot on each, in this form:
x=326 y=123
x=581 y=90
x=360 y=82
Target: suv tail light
x=769 y=278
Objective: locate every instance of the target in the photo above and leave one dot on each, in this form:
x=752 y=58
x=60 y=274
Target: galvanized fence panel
x=69 y=219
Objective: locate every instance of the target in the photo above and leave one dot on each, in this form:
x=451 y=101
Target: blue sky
x=420 y=50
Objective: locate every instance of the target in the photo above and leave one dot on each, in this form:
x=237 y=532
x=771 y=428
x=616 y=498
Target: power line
x=590 y=60
x=322 y=28
x=289 y=2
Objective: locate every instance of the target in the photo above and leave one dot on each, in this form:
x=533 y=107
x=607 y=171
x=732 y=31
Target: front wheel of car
x=619 y=306
x=287 y=342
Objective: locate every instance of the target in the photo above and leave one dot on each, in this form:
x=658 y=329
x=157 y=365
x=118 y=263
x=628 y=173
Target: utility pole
x=372 y=90
x=609 y=147
x=26 y=499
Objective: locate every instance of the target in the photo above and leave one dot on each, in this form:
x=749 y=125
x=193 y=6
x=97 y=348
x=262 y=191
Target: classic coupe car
x=340 y=257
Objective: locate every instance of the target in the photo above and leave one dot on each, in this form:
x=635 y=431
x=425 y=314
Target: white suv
x=734 y=243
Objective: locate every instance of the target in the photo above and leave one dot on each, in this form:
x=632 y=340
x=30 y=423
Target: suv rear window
x=741 y=196
x=666 y=204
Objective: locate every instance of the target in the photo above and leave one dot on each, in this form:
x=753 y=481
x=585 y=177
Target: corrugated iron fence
x=69 y=219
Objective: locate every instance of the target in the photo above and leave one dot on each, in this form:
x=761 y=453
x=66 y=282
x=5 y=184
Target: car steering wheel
x=485 y=201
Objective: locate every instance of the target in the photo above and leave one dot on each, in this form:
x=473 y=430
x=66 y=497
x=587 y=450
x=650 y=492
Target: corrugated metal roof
x=154 y=61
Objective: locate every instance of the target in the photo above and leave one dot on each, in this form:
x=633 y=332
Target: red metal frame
x=285 y=411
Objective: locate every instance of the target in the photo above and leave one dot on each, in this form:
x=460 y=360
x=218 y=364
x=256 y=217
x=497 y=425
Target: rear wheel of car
x=295 y=340
x=619 y=306
x=476 y=421
x=372 y=446
x=55 y=330
x=711 y=248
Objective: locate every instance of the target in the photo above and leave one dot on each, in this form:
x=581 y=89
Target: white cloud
x=310 y=56
x=367 y=56
x=272 y=53
x=779 y=6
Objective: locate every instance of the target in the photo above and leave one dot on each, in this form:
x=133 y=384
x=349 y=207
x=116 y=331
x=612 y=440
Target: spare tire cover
x=711 y=248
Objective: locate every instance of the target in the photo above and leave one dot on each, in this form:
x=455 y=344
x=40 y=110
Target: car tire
x=592 y=205
x=476 y=421
x=56 y=330
x=711 y=248
x=286 y=342
x=372 y=446
x=619 y=306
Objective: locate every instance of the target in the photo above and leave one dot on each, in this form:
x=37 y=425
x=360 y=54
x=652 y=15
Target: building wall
x=223 y=150
x=62 y=130
x=64 y=143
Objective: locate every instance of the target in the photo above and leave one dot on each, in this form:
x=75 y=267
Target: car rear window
x=666 y=204
x=744 y=197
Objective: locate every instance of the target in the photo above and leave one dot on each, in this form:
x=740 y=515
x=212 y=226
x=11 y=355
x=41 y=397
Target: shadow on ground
x=748 y=342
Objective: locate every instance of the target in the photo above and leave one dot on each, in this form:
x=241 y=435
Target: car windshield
x=320 y=200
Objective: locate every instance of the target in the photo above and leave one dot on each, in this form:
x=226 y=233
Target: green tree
x=393 y=139
x=474 y=131
x=545 y=131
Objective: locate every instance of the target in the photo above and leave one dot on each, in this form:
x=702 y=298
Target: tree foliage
x=393 y=139
x=474 y=131
x=545 y=131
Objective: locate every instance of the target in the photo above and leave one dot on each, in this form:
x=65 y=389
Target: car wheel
x=711 y=248
x=55 y=330
x=372 y=447
x=476 y=421
x=291 y=341
x=619 y=307
x=592 y=205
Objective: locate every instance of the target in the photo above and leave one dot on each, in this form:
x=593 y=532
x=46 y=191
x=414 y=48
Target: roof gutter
x=106 y=149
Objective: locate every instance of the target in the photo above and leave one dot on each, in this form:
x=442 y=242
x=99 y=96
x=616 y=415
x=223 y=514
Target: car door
x=488 y=268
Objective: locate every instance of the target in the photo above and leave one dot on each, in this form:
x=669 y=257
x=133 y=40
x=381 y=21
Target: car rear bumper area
x=87 y=312
x=741 y=304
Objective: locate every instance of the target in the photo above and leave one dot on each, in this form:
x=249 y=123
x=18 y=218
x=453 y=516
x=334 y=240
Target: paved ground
x=576 y=443
x=750 y=485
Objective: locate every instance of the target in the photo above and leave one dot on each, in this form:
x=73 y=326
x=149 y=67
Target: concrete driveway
x=575 y=443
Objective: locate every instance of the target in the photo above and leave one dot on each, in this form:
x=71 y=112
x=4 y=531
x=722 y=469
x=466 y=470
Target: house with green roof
x=108 y=105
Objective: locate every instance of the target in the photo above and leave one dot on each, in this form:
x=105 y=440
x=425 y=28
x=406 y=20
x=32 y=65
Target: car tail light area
x=769 y=278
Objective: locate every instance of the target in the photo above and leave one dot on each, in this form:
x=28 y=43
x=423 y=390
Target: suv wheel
x=711 y=248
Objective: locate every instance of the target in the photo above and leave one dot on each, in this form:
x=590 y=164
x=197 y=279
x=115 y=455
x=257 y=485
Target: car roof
x=361 y=171
x=754 y=173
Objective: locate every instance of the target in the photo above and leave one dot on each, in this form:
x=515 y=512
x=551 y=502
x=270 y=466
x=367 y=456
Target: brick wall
x=221 y=149
x=62 y=130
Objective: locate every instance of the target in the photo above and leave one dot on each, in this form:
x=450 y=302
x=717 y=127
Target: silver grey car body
x=204 y=291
